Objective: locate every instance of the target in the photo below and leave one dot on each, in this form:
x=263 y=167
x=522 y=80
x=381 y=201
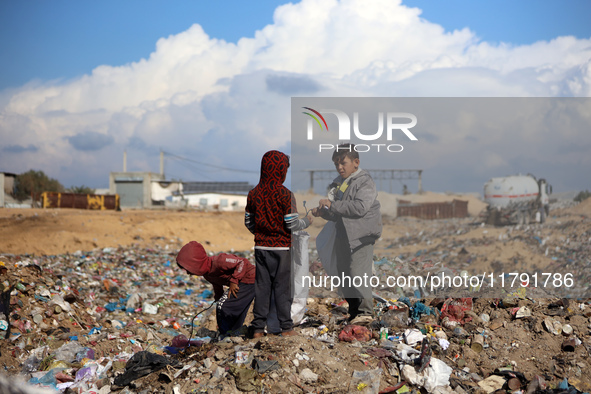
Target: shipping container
x=80 y=201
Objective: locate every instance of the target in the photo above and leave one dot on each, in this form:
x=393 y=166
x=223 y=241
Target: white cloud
x=203 y=96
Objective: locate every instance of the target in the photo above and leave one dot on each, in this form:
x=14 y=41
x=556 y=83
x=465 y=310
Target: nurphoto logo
x=395 y=121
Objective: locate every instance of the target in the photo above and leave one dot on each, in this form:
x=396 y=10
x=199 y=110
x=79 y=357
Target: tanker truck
x=517 y=199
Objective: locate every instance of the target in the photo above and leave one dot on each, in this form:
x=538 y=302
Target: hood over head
x=274 y=167
x=193 y=258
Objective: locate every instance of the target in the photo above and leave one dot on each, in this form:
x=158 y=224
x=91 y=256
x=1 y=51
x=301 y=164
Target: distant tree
x=32 y=183
x=80 y=190
x=582 y=196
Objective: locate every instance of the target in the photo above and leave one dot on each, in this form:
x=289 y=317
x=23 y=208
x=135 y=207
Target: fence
x=433 y=210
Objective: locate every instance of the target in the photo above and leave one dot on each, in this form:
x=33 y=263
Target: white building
x=209 y=201
x=162 y=190
x=147 y=190
x=219 y=196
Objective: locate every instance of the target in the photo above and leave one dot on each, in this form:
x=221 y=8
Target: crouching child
x=237 y=273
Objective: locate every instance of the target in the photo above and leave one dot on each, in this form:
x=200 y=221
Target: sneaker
x=289 y=333
x=362 y=320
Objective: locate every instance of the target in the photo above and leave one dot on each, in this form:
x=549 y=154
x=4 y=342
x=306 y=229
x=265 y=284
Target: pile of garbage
x=560 y=245
x=70 y=321
x=128 y=320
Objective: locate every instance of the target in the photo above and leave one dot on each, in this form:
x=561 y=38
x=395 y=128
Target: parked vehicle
x=517 y=199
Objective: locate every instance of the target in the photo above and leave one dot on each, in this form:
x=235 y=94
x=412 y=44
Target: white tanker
x=516 y=199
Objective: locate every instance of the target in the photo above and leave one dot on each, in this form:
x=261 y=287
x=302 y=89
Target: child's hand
x=234 y=289
x=311 y=217
x=324 y=203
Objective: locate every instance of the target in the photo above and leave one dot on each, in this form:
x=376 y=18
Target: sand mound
x=390 y=201
x=584 y=208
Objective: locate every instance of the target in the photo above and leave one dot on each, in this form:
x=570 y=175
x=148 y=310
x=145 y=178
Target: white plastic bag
x=300 y=264
x=300 y=267
x=435 y=376
x=325 y=244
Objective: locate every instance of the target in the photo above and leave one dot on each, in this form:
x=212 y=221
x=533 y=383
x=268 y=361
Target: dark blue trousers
x=273 y=274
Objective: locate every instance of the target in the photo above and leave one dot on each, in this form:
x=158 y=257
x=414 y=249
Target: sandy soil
x=57 y=231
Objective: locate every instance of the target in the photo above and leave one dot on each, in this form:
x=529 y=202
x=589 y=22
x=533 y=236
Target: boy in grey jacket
x=352 y=203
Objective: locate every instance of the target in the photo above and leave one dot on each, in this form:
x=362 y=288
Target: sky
x=82 y=82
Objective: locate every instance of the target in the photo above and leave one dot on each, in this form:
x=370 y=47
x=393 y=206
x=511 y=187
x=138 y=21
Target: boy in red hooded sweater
x=271 y=215
x=222 y=270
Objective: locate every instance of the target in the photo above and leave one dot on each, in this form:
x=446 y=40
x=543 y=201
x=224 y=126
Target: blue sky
x=64 y=39
x=511 y=21
x=80 y=82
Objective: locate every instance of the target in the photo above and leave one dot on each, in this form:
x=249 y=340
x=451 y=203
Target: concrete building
x=148 y=190
x=134 y=188
x=7 y=180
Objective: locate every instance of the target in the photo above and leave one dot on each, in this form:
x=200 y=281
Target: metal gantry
x=378 y=175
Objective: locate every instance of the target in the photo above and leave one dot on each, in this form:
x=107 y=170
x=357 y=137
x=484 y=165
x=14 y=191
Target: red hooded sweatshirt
x=270 y=201
x=219 y=270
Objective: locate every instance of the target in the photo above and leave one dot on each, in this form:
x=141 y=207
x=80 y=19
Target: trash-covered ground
x=117 y=319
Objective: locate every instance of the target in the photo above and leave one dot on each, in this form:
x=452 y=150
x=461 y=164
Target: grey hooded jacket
x=359 y=210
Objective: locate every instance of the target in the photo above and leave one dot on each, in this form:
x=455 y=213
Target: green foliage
x=80 y=190
x=582 y=196
x=32 y=183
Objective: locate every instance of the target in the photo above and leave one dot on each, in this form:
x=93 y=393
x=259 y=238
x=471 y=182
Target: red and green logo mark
x=315 y=118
